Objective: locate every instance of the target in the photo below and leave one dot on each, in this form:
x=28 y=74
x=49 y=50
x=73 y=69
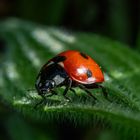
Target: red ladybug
x=70 y=69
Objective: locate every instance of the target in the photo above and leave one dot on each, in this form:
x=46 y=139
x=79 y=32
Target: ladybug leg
x=104 y=91
x=73 y=90
x=44 y=98
x=87 y=91
x=68 y=86
x=53 y=92
x=95 y=86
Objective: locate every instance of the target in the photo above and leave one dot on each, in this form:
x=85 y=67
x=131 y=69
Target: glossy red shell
x=76 y=66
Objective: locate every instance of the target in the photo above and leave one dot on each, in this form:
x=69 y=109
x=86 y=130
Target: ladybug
x=70 y=69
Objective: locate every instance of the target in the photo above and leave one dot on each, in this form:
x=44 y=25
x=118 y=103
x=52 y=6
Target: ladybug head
x=45 y=87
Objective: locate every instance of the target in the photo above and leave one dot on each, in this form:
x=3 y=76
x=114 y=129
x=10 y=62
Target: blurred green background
x=116 y=19
x=119 y=20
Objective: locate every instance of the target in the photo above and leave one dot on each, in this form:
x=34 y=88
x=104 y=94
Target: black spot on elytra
x=58 y=59
x=84 y=55
x=89 y=73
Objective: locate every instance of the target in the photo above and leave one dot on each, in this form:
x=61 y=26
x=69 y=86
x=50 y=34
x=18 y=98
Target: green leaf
x=27 y=130
x=30 y=45
x=138 y=41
